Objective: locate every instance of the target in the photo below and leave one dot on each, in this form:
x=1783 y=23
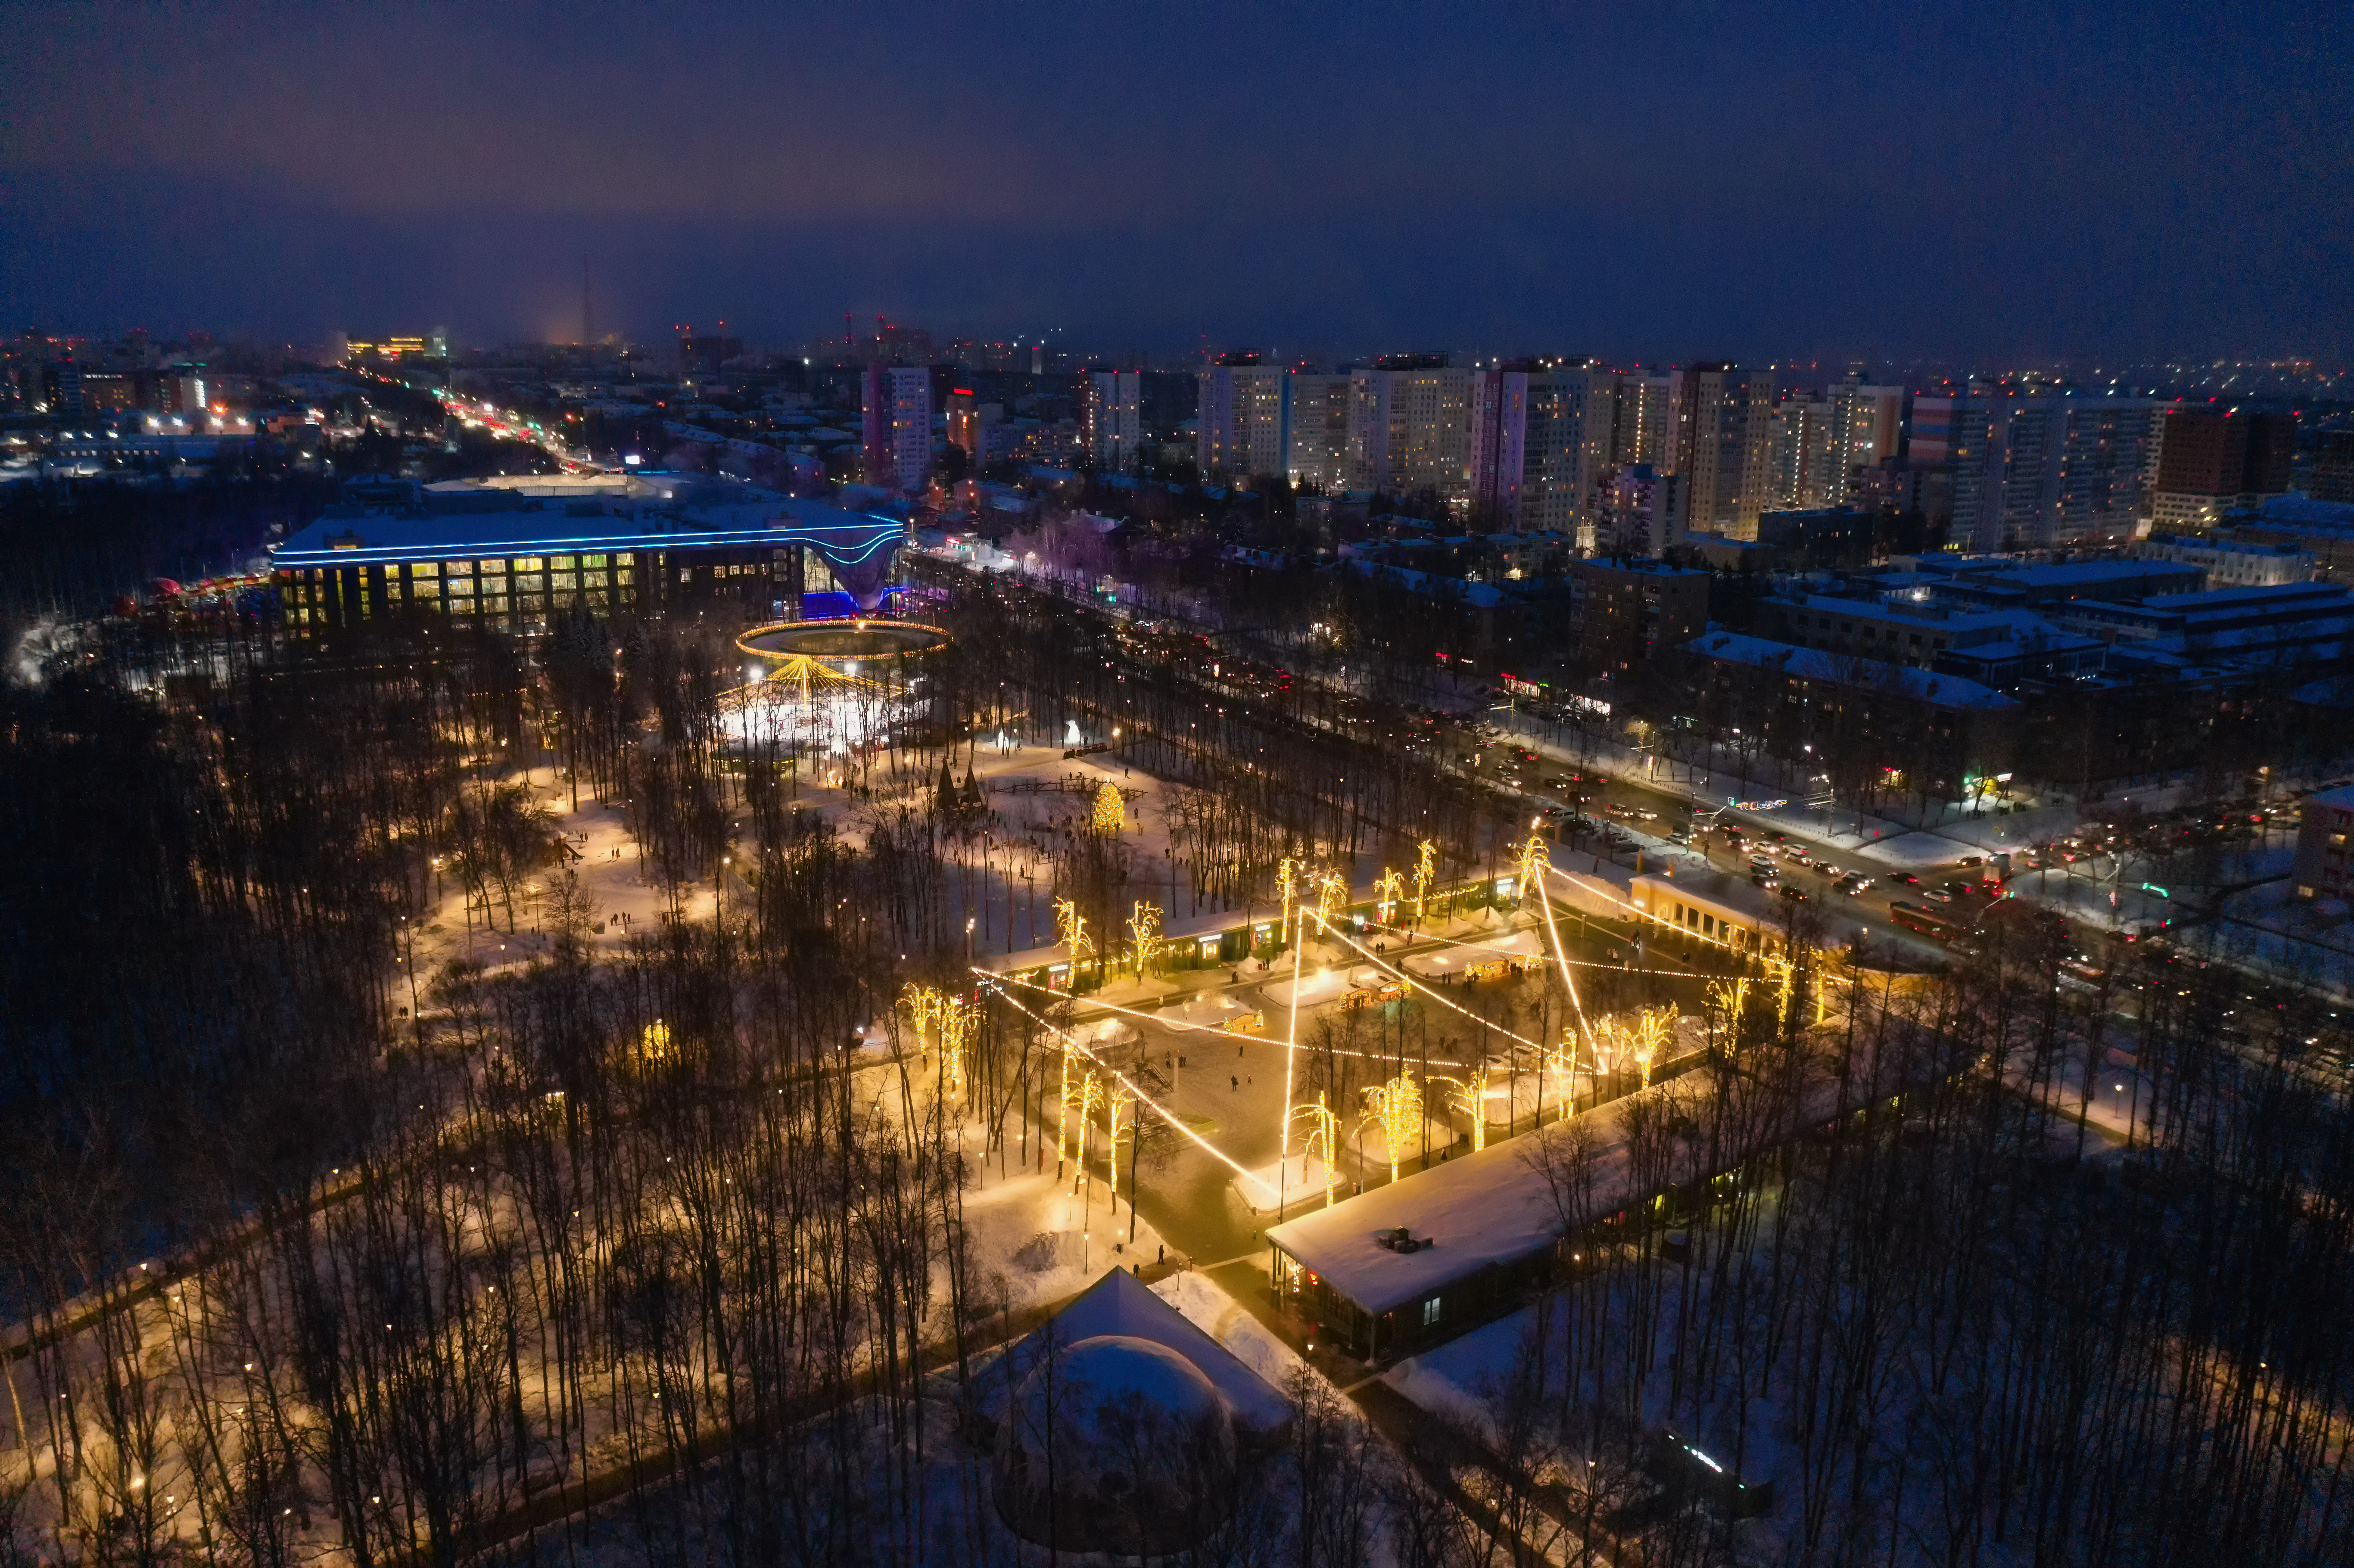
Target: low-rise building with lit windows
x=1715 y=907
x=509 y=556
x=2325 y=846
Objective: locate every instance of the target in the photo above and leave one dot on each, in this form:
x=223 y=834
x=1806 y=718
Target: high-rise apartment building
x=2333 y=467
x=1869 y=422
x=1240 y=420
x=1410 y=428
x=1807 y=447
x=2035 y=473
x=2211 y=462
x=1500 y=428
x=1641 y=406
x=1722 y=447
x=898 y=428
x=969 y=424
x=1822 y=439
x=1531 y=453
x=1318 y=430
x=1111 y=418
x=1633 y=511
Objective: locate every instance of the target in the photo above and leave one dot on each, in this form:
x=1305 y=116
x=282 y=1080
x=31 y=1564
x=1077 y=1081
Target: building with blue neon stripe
x=508 y=555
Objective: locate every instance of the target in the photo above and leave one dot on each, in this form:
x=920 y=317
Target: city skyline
x=1640 y=188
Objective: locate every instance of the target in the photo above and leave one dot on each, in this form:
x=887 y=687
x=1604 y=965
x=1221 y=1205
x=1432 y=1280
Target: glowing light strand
x=1163 y=1112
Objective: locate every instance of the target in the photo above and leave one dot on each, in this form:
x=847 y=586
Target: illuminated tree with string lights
x=1608 y=1045
x=1729 y=1000
x=1562 y=1059
x=1085 y=1101
x=959 y=1022
x=926 y=1006
x=1396 y=1108
x=1071 y=931
x=1286 y=889
x=1110 y=810
x=1331 y=898
x=654 y=1046
x=1652 y=1028
x=1064 y=1100
x=1534 y=860
x=1119 y=1103
x=1322 y=1139
x=1144 y=939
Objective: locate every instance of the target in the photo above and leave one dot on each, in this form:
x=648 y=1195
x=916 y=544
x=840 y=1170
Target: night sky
x=1985 y=184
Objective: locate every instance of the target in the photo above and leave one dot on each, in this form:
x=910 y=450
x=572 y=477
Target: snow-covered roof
x=2304 y=509
x=1314 y=986
x=1121 y=1305
x=1496 y=1206
x=2340 y=799
x=1821 y=664
x=1489 y=1207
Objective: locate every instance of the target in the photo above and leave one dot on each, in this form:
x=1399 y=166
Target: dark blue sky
x=1988 y=183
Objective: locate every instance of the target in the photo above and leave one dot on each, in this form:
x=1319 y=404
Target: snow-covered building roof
x=1120 y=1306
x=1492 y=1216
x=1491 y=1207
x=1849 y=670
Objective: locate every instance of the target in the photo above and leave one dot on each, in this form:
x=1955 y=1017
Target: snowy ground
x=1009 y=903
x=1044 y=1240
x=2269 y=927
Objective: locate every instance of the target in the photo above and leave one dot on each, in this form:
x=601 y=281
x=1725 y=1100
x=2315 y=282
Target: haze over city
x=1824 y=182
